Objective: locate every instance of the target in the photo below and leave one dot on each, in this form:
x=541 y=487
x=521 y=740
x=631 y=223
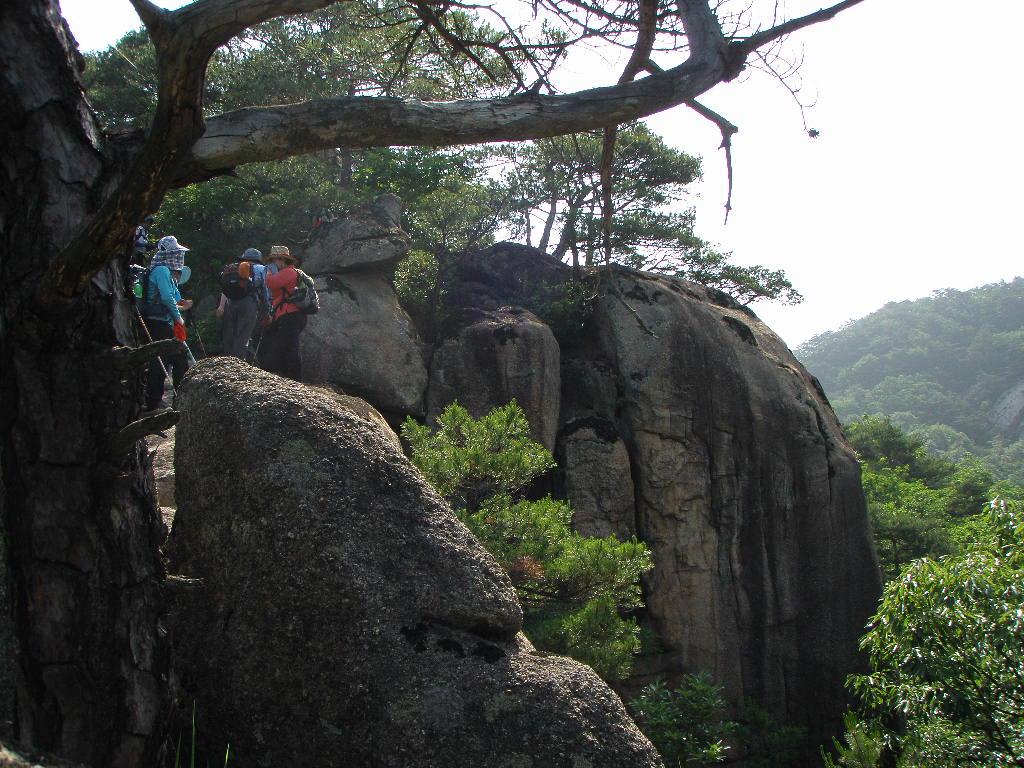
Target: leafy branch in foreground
x=946 y=652
x=574 y=589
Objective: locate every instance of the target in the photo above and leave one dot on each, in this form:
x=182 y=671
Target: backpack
x=232 y=284
x=148 y=307
x=305 y=298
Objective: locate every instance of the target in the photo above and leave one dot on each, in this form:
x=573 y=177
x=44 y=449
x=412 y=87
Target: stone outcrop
x=1007 y=415
x=161 y=446
x=15 y=758
x=335 y=612
x=362 y=342
x=506 y=273
x=686 y=421
x=598 y=479
x=370 y=236
x=496 y=357
x=677 y=416
x=747 y=493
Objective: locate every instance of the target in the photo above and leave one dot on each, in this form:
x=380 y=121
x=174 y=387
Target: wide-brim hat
x=170 y=244
x=252 y=254
x=282 y=252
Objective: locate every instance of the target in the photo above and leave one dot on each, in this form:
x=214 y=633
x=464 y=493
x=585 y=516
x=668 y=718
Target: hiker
x=245 y=281
x=279 y=347
x=161 y=312
x=140 y=244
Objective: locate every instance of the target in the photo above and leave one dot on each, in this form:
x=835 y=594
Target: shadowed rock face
x=686 y=421
x=747 y=493
x=496 y=357
x=344 y=617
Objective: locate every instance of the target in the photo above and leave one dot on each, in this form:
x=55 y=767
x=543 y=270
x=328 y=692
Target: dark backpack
x=148 y=306
x=232 y=284
x=305 y=298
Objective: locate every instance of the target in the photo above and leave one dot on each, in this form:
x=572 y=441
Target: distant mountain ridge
x=949 y=367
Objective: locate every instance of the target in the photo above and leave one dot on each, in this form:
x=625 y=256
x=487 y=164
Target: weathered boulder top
x=367 y=237
x=344 y=616
x=504 y=273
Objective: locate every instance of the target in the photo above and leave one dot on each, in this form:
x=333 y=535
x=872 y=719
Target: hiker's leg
x=291 y=358
x=245 y=321
x=270 y=355
x=228 y=328
x=178 y=365
x=254 y=349
x=155 y=374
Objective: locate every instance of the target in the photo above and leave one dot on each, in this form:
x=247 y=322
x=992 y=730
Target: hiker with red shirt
x=279 y=347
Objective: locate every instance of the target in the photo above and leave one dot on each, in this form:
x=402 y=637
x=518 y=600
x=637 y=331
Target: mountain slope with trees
x=939 y=367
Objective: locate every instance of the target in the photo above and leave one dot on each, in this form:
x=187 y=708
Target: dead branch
x=727 y=129
x=126 y=438
x=122 y=359
x=759 y=39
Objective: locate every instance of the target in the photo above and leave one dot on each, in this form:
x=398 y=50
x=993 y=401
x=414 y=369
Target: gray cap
x=251 y=254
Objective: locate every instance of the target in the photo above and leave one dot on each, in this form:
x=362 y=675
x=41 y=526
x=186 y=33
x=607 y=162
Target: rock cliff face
x=336 y=613
x=677 y=416
x=742 y=485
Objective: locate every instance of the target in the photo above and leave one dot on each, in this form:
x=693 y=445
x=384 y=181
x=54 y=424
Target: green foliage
x=918 y=505
x=555 y=186
x=686 y=724
x=469 y=460
x=193 y=754
x=574 y=589
x=862 y=746
x=769 y=743
x=946 y=653
x=938 y=366
x=419 y=292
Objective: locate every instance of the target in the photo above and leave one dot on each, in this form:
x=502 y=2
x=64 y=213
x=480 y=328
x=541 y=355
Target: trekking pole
x=159 y=359
x=199 y=336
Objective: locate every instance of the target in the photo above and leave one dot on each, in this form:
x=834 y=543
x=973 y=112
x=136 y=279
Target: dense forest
x=946 y=368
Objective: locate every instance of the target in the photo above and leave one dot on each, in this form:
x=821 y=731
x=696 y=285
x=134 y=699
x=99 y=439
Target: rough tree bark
x=84 y=672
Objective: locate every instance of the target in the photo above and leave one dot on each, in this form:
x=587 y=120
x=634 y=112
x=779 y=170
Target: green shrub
x=576 y=591
x=686 y=724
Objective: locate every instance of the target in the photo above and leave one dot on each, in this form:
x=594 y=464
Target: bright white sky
x=912 y=187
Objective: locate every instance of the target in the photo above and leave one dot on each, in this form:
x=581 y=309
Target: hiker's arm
x=285 y=278
x=222 y=306
x=169 y=296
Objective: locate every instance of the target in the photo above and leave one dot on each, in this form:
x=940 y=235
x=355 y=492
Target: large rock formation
x=682 y=419
x=686 y=421
x=744 y=488
x=362 y=342
x=340 y=615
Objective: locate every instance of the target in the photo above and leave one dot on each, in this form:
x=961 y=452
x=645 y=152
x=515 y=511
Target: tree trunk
x=82 y=572
x=549 y=223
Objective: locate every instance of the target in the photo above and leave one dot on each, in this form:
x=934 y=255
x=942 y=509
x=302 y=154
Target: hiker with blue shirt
x=161 y=312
